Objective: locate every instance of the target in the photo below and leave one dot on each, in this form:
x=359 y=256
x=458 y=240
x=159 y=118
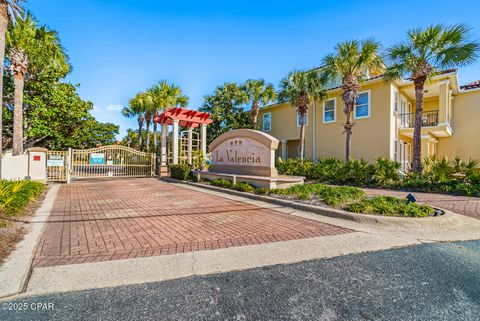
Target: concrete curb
x=448 y=219
x=15 y=272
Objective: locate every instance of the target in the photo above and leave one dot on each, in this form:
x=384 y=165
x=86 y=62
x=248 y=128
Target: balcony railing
x=429 y=118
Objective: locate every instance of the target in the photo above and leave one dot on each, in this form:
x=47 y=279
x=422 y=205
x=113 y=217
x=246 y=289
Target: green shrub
x=326 y=169
x=386 y=172
x=180 y=171
x=331 y=195
x=243 y=187
x=15 y=195
x=337 y=196
x=222 y=183
x=295 y=167
x=355 y=172
x=441 y=170
x=262 y=191
x=390 y=206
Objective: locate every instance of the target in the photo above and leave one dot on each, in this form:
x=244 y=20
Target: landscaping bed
x=347 y=198
x=17 y=199
x=454 y=177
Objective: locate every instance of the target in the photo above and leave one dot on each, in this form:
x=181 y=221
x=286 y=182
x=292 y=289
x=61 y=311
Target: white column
x=189 y=145
x=284 y=149
x=175 y=142
x=203 y=133
x=163 y=144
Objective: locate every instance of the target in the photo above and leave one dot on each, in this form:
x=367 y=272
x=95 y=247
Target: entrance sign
x=55 y=160
x=244 y=152
x=97 y=159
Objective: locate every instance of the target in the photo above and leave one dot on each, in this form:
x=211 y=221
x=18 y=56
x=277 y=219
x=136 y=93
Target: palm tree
x=426 y=52
x=165 y=95
x=9 y=11
x=258 y=92
x=300 y=88
x=136 y=108
x=351 y=62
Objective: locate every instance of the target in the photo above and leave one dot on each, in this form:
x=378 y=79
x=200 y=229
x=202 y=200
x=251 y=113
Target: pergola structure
x=182 y=117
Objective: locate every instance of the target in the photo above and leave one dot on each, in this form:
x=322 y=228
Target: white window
x=395 y=99
x=267 y=122
x=329 y=111
x=299 y=120
x=362 y=105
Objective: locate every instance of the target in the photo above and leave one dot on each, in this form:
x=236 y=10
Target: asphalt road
x=438 y=281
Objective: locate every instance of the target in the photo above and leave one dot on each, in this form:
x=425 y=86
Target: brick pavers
x=94 y=221
x=469 y=206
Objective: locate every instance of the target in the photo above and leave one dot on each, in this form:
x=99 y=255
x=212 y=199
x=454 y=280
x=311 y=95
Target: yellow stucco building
x=384 y=116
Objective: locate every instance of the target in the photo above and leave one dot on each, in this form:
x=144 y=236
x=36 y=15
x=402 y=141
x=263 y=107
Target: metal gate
x=111 y=161
x=57 y=165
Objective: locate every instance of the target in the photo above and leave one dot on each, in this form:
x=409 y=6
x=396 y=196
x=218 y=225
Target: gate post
x=154 y=163
x=203 y=134
x=69 y=165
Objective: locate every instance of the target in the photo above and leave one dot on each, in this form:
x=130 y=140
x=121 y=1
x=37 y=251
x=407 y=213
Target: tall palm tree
x=301 y=88
x=30 y=47
x=351 y=62
x=136 y=108
x=165 y=95
x=9 y=10
x=425 y=52
x=258 y=92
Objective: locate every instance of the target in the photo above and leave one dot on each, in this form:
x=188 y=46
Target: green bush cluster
x=222 y=183
x=443 y=176
x=331 y=195
x=354 y=172
x=15 y=195
x=242 y=187
x=180 y=171
x=346 y=197
x=390 y=206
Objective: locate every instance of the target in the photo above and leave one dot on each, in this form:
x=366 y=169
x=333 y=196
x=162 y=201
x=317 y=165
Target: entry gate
x=57 y=165
x=111 y=161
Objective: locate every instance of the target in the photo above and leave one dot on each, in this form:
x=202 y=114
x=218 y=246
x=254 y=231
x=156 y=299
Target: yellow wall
x=331 y=141
x=373 y=137
x=465 y=141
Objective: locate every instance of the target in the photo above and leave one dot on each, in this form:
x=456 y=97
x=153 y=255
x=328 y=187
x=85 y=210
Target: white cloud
x=114 y=107
x=96 y=108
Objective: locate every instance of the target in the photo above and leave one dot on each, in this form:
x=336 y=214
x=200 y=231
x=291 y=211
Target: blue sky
x=120 y=47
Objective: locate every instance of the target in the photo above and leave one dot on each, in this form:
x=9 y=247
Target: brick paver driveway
x=469 y=206
x=95 y=221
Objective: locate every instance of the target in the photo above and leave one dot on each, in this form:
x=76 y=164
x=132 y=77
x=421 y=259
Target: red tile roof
x=472 y=85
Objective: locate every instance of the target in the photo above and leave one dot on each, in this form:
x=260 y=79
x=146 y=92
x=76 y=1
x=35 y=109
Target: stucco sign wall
x=244 y=152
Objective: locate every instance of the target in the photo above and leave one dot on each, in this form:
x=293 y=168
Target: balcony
x=429 y=119
x=430 y=125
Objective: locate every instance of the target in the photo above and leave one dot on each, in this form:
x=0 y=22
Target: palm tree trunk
x=348 y=135
x=302 y=137
x=18 y=82
x=140 y=126
x=3 y=31
x=147 y=131
x=417 y=127
x=255 y=114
